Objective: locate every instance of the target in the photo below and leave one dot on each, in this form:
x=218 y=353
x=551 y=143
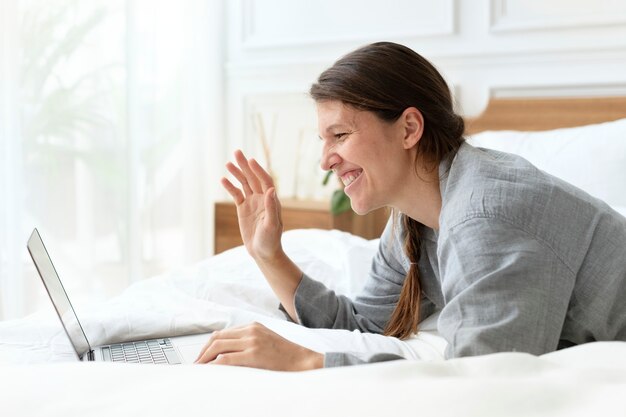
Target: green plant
x=339 y=202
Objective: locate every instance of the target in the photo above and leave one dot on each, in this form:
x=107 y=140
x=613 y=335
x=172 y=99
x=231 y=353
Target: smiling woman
x=364 y=141
x=504 y=251
x=403 y=140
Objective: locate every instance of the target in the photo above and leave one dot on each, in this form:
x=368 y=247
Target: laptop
x=168 y=350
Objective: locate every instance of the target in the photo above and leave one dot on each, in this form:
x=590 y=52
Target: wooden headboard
x=546 y=113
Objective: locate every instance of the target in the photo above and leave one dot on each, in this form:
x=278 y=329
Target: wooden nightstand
x=299 y=214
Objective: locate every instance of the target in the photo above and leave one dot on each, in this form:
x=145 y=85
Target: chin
x=360 y=209
x=364 y=207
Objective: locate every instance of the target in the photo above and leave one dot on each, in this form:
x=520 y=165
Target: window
x=104 y=136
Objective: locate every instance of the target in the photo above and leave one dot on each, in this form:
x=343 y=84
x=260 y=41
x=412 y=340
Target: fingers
x=233 y=359
x=233 y=191
x=221 y=347
x=271 y=207
x=264 y=178
x=237 y=173
x=257 y=346
x=251 y=178
x=234 y=333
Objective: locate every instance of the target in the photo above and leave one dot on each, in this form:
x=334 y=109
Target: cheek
x=390 y=157
x=350 y=151
x=395 y=167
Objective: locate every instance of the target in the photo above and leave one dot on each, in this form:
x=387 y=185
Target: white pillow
x=591 y=157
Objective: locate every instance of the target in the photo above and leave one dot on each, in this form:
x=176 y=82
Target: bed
x=40 y=375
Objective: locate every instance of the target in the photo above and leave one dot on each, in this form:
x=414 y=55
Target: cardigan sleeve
x=319 y=307
x=315 y=306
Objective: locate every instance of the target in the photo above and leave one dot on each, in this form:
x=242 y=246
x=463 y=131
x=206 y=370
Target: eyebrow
x=335 y=125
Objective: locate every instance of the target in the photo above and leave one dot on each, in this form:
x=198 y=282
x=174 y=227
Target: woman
x=515 y=259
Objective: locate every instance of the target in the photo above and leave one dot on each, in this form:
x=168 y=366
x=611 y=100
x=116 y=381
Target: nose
x=329 y=157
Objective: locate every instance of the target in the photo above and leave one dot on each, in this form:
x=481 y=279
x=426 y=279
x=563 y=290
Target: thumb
x=271 y=207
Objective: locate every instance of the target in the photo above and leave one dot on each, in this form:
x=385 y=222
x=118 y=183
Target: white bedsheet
x=40 y=375
x=224 y=291
x=588 y=380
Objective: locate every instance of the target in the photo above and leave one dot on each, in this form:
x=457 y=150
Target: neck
x=420 y=198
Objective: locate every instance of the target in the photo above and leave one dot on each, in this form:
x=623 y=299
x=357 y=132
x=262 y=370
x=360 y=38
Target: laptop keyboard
x=158 y=351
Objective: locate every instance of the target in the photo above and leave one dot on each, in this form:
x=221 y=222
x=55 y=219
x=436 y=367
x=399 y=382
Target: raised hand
x=258 y=208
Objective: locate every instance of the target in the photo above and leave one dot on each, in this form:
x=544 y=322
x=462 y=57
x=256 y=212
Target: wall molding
x=253 y=39
x=288 y=68
x=501 y=21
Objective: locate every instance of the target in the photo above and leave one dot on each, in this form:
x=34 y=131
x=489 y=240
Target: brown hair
x=386 y=78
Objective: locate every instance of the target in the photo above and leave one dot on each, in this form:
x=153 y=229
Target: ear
x=413 y=125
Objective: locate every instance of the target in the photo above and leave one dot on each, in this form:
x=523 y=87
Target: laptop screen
x=57 y=294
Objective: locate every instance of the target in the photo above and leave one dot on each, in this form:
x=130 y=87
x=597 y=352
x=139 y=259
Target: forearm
x=284 y=276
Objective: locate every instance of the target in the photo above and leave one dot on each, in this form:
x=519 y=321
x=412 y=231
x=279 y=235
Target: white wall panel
x=517 y=15
x=276 y=49
x=272 y=23
x=290 y=128
x=586 y=73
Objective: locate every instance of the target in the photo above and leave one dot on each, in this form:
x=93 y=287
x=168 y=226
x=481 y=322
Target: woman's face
x=366 y=153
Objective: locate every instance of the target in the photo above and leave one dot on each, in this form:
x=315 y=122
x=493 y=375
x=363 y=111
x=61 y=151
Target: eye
x=340 y=136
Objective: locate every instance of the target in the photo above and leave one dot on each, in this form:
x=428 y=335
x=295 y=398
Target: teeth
x=347 y=180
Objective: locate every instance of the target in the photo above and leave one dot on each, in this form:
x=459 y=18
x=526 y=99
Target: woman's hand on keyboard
x=256 y=346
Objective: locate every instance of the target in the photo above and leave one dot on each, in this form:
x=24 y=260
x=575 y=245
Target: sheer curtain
x=110 y=141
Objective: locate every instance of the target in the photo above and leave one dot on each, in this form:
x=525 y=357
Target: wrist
x=275 y=258
x=312 y=360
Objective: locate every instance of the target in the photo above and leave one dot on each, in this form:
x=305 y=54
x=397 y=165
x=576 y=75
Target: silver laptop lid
x=57 y=294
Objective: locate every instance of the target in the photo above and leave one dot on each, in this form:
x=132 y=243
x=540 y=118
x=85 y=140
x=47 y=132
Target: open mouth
x=349 y=177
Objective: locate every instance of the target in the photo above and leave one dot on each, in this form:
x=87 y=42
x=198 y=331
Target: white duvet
x=224 y=291
x=39 y=375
